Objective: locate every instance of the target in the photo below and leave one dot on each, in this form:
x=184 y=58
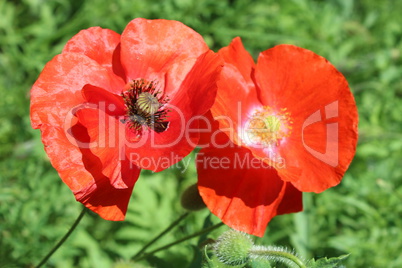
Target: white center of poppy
x=266 y=127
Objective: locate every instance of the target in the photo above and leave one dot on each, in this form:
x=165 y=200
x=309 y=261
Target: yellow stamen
x=267 y=127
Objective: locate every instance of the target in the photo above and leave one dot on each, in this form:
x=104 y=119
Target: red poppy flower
x=288 y=124
x=111 y=104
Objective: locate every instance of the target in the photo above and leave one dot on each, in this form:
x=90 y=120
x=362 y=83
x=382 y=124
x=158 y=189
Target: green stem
x=170 y=227
x=203 y=231
x=276 y=254
x=77 y=221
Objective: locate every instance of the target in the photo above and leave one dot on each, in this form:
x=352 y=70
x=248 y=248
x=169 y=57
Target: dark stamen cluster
x=145 y=106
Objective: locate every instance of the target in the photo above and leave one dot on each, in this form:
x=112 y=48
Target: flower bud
x=191 y=199
x=233 y=247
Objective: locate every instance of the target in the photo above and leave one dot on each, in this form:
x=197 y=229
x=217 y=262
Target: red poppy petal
x=210 y=135
x=324 y=135
x=198 y=90
x=96 y=43
x=110 y=203
x=292 y=200
x=104 y=157
x=58 y=88
x=108 y=102
x=103 y=46
x=236 y=91
x=150 y=47
x=235 y=54
x=158 y=151
x=79 y=174
x=241 y=190
x=105 y=149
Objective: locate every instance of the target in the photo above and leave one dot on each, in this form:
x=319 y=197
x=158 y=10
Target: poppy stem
x=276 y=254
x=72 y=228
x=170 y=227
x=203 y=231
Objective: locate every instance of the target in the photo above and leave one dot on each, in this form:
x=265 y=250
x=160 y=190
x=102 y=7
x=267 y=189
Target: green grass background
x=361 y=216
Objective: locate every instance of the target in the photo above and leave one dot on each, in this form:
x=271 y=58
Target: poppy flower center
x=148 y=103
x=267 y=127
x=145 y=107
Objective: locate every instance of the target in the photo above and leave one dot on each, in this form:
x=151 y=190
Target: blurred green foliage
x=362 y=216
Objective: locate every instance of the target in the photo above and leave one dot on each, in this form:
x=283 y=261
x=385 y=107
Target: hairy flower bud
x=233 y=247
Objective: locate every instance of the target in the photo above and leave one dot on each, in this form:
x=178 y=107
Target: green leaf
x=327 y=263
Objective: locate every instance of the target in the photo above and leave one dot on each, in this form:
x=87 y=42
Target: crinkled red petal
x=149 y=48
x=58 y=89
x=79 y=172
x=103 y=46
